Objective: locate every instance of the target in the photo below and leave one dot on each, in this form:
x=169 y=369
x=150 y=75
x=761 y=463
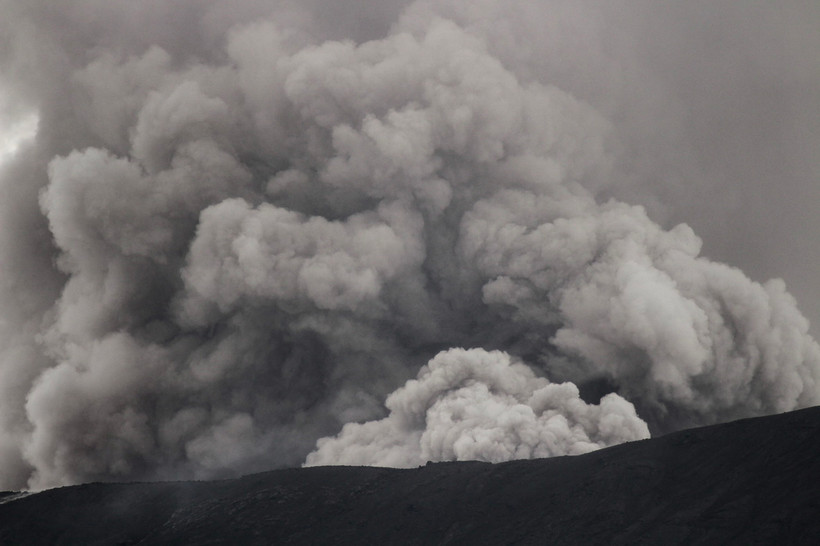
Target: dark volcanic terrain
x=755 y=481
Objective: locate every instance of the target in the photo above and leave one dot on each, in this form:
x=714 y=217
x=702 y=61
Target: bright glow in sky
x=11 y=137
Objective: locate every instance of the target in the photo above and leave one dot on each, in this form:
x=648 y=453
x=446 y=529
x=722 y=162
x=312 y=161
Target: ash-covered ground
x=753 y=481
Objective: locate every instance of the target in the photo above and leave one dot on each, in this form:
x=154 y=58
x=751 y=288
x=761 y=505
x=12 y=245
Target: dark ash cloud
x=241 y=228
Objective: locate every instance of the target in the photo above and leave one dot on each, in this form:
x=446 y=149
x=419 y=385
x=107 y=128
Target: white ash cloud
x=238 y=231
x=481 y=406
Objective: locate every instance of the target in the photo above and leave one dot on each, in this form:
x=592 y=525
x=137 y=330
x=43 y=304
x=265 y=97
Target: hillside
x=755 y=481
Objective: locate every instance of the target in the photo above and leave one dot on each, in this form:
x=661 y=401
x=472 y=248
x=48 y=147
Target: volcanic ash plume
x=227 y=245
x=479 y=405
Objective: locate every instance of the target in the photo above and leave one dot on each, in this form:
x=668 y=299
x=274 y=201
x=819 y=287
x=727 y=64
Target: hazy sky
x=14 y=133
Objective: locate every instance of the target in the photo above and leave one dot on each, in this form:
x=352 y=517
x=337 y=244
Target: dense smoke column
x=229 y=241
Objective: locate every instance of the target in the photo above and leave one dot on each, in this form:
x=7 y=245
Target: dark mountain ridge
x=754 y=481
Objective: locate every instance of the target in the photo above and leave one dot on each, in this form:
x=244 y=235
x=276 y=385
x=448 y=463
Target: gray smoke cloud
x=479 y=405
x=252 y=234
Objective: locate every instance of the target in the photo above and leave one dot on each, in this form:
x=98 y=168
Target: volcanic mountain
x=754 y=481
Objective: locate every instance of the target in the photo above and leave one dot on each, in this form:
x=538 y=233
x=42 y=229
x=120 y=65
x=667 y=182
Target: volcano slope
x=755 y=481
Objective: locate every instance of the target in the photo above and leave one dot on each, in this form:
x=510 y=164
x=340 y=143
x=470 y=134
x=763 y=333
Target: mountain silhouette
x=754 y=481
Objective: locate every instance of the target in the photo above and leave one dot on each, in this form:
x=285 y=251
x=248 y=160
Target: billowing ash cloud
x=479 y=405
x=237 y=233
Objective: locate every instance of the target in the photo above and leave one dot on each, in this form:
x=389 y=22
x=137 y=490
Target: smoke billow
x=478 y=405
x=240 y=234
